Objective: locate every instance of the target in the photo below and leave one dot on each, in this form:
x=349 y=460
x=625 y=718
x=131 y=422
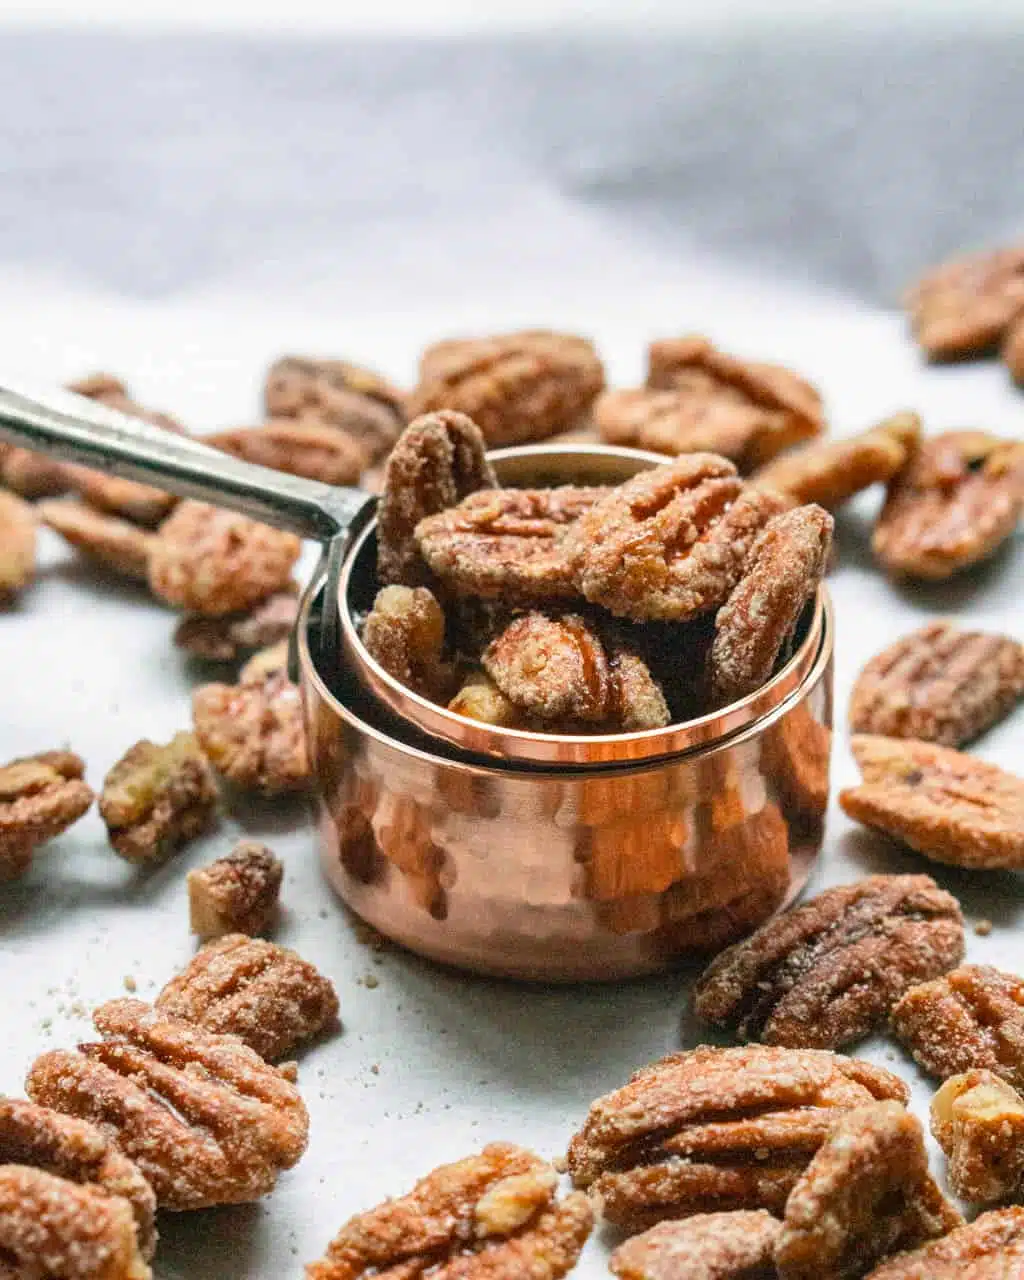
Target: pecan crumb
x=983 y=928
x=236 y=894
x=40 y=796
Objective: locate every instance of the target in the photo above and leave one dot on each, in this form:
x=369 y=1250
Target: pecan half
x=978 y=1121
x=866 y=1194
x=939 y=684
x=716 y=1129
x=404 y=633
x=236 y=894
x=1012 y=352
x=709 y=1246
x=489 y=1216
x=108 y=540
x=828 y=972
x=954 y=505
x=989 y=1248
x=963 y=307
x=234 y=634
x=266 y=995
x=517 y=386
x=32 y=475
x=206 y=1120
x=17 y=545
x=299 y=448
x=946 y=805
x=40 y=796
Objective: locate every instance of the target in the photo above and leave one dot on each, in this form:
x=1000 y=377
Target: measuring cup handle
x=72 y=428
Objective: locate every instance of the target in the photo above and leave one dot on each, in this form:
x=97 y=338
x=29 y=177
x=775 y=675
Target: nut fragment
x=158 y=798
x=115 y=543
x=17 y=545
x=40 y=796
x=404 y=633
x=492 y=1215
x=866 y=1194
x=989 y=1248
x=710 y=1246
x=233 y=634
x=214 y=562
x=299 y=448
x=716 y=1129
x=518 y=386
x=963 y=307
x=946 y=805
x=978 y=1121
x=828 y=972
x=953 y=505
x=939 y=684
x=206 y=1120
x=236 y=894
x=481 y=699
x=265 y=994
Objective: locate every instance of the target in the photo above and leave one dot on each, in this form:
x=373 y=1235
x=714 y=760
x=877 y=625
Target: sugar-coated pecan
x=946 y=805
x=492 y=1216
x=206 y=1120
x=17 y=545
x=953 y=505
x=989 y=1248
x=866 y=1194
x=40 y=796
x=963 y=307
x=299 y=448
x=266 y=995
x=783 y=570
x=709 y=1246
x=405 y=633
x=717 y=1129
x=439 y=459
x=479 y=698
x=828 y=972
x=517 y=386
x=236 y=894
x=939 y=684
x=234 y=634
x=106 y=539
x=32 y=475
x=978 y=1121
x=1012 y=351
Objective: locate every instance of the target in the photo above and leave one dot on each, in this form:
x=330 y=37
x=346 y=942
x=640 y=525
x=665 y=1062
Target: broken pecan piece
x=939 y=684
x=206 y=1120
x=17 y=545
x=491 y=1215
x=299 y=448
x=266 y=995
x=709 y=1246
x=233 y=634
x=978 y=1121
x=481 y=699
x=828 y=972
x=236 y=894
x=40 y=796
x=108 y=540
x=866 y=1194
x=963 y=307
x=404 y=633
x=989 y=1248
x=946 y=805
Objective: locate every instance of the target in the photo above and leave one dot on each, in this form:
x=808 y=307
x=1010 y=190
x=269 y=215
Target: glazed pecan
x=946 y=805
x=40 y=796
x=404 y=633
x=438 y=460
x=236 y=894
x=964 y=307
x=158 y=798
x=989 y=1248
x=479 y=698
x=493 y=1216
x=1012 y=352
x=866 y=1194
x=215 y=562
x=517 y=386
x=782 y=572
x=299 y=448
x=206 y=1120
x=17 y=545
x=939 y=684
x=828 y=972
x=108 y=540
x=265 y=994
x=32 y=475
x=710 y=1246
x=978 y=1121
x=716 y=1129
x=234 y=634
x=253 y=732
x=953 y=505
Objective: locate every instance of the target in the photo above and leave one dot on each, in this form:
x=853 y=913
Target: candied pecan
x=404 y=633
x=40 y=796
x=206 y=1120
x=715 y=1129
x=253 y=732
x=299 y=448
x=77 y=1151
x=710 y=1246
x=963 y=307
x=866 y=1194
x=265 y=994
x=989 y=1248
x=517 y=386
x=17 y=545
x=1013 y=351
x=32 y=475
x=946 y=805
x=110 y=541
x=491 y=1215
x=783 y=570
x=828 y=972
x=978 y=1121
x=214 y=562
x=507 y=544
x=236 y=894
x=439 y=459
x=939 y=684
x=954 y=504
x=233 y=634
x=481 y=699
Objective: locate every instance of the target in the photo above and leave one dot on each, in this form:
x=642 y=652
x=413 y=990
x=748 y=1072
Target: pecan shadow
x=90 y=576
x=229 y=1242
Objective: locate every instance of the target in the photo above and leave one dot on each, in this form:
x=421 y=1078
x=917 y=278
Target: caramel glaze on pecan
x=963 y=307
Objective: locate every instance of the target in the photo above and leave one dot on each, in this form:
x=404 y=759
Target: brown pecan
x=265 y=994
x=404 y=633
x=866 y=1194
x=939 y=684
x=493 y=1216
x=481 y=699
x=946 y=805
x=234 y=634
x=31 y=475
x=299 y=448
x=978 y=1121
x=517 y=386
x=783 y=570
x=989 y=1248
x=964 y=307
x=954 y=504
x=438 y=460
x=17 y=545
x=215 y=562
x=40 y=796
x=78 y=1152
x=206 y=1120
x=710 y=1246
x=1013 y=351
x=253 y=732
x=108 y=540
x=236 y=894
x=716 y=1129
x=828 y=972
x=158 y=798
